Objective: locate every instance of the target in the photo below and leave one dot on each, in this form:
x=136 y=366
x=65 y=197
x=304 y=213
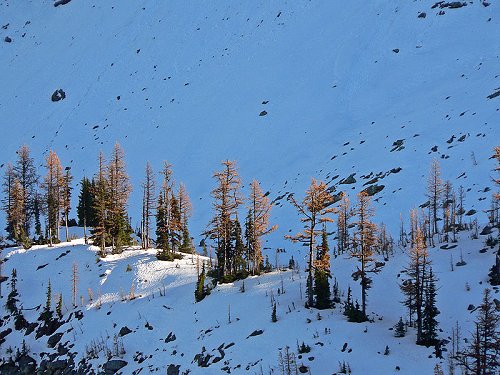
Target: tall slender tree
x=66 y=197
x=429 y=322
x=434 y=192
x=163 y=213
x=101 y=207
x=185 y=210
x=119 y=191
x=227 y=199
x=482 y=355
x=418 y=275
x=52 y=186
x=322 y=274
x=258 y=224
x=7 y=202
x=344 y=215
x=148 y=200
x=86 y=205
x=25 y=171
x=17 y=214
x=364 y=244
x=314 y=209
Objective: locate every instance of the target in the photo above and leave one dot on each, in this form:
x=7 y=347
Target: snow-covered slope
x=290 y=89
x=186 y=82
x=169 y=328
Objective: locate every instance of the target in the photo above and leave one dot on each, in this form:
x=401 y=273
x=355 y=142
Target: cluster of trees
x=27 y=198
x=419 y=288
x=357 y=235
x=238 y=253
x=103 y=203
x=172 y=214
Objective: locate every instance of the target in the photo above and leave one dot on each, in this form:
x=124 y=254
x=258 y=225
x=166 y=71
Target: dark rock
x=486 y=230
x=303 y=369
x=58 y=95
x=398 y=145
x=348 y=180
x=470 y=212
x=124 y=331
x=173 y=369
x=113 y=365
x=8 y=39
x=257 y=332
x=471 y=307
x=171 y=337
x=374 y=189
x=492 y=96
x=61 y=2
x=422 y=15
x=54 y=339
x=201 y=359
x=263 y=113
x=395 y=50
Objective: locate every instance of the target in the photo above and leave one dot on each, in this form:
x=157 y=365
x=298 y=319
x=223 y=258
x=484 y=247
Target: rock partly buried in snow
x=112 y=366
x=422 y=15
x=398 y=145
x=486 y=230
x=61 y=2
x=257 y=332
x=374 y=189
x=58 y=95
x=171 y=337
x=8 y=39
x=3 y=334
x=124 y=331
x=303 y=369
x=348 y=180
x=263 y=113
x=494 y=95
x=395 y=50
x=471 y=212
x=471 y=307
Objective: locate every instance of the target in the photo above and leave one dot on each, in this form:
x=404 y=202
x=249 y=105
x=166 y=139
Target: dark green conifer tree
x=12 y=300
x=429 y=322
x=321 y=274
x=238 y=249
x=86 y=205
x=200 y=291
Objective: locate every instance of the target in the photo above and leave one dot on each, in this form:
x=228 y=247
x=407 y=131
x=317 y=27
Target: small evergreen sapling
x=400 y=329
x=274 y=318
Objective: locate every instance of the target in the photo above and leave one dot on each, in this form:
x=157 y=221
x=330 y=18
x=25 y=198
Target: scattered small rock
x=124 y=331
x=58 y=95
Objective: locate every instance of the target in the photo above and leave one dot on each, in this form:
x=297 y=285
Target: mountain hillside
x=141 y=311
x=339 y=83
x=363 y=95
